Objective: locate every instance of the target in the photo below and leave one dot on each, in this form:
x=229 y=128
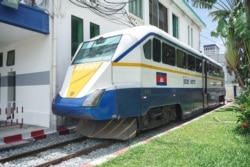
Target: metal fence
x=11 y=114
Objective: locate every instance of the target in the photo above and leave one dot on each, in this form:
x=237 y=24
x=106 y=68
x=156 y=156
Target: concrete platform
x=16 y=129
x=16 y=134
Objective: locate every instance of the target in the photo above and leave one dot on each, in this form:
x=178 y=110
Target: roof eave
x=185 y=6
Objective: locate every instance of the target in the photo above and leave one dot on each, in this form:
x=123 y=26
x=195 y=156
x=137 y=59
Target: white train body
x=130 y=78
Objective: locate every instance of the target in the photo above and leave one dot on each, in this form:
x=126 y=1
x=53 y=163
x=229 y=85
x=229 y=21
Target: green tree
x=233 y=17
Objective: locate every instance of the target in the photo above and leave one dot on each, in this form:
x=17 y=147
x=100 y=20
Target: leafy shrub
x=244 y=109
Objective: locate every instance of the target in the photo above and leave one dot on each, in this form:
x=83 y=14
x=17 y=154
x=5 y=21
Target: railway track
x=76 y=154
x=34 y=152
x=93 y=149
x=37 y=153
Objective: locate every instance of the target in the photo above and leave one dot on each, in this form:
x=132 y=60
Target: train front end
x=88 y=93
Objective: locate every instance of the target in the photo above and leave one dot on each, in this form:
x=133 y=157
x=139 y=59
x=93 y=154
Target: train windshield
x=97 y=50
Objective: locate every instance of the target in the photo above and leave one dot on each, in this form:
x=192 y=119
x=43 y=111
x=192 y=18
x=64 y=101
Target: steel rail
x=33 y=152
x=76 y=154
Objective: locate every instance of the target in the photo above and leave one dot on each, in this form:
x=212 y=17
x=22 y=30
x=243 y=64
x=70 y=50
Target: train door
x=11 y=92
x=146 y=77
x=205 y=80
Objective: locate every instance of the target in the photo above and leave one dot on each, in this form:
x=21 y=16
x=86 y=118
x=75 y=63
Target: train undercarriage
x=125 y=128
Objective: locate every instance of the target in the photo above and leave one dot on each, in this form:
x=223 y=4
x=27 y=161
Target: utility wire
x=113 y=11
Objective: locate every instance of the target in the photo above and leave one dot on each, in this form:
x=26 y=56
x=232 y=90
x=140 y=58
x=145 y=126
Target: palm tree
x=233 y=27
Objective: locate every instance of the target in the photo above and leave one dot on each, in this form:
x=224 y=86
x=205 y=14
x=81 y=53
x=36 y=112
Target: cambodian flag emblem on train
x=161 y=78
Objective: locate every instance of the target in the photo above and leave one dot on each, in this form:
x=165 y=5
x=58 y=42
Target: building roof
x=210 y=45
x=186 y=8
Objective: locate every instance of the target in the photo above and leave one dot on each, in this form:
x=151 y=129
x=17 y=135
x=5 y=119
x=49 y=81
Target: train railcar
x=136 y=79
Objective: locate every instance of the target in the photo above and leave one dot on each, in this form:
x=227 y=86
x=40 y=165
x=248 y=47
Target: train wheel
x=166 y=114
x=157 y=116
x=173 y=115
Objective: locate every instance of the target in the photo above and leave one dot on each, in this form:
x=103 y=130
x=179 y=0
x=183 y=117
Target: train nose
x=69 y=107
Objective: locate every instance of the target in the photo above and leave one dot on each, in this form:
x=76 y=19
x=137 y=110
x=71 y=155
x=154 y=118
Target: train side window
x=209 y=69
x=1 y=59
x=221 y=73
x=156 y=50
x=216 y=71
x=147 y=49
x=181 y=59
x=198 y=65
x=191 y=62
x=168 y=54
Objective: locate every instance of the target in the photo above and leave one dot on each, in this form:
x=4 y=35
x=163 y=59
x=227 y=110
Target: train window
x=168 y=54
x=198 y=65
x=1 y=59
x=97 y=50
x=209 y=69
x=147 y=49
x=221 y=73
x=156 y=50
x=181 y=59
x=191 y=62
x=216 y=71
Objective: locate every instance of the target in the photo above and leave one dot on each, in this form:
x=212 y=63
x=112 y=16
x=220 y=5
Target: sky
x=205 y=34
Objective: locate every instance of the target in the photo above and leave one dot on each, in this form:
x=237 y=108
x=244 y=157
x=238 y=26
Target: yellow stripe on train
x=81 y=74
x=129 y=64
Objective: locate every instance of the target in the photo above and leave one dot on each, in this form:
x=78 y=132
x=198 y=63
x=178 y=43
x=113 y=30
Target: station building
x=38 y=39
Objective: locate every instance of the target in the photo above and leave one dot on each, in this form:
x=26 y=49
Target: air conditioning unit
x=11 y=3
x=44 y=4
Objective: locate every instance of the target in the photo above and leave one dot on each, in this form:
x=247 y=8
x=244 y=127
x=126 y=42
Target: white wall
x=32 y=60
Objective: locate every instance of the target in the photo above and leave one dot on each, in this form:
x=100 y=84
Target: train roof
x=140 y=32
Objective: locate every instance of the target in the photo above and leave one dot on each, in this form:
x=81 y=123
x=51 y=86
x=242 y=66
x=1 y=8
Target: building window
x=175 y=21
x=76 y=33
x=135 y=7
x=158 y=15
x=94 y=30
x=1 y=59
x=153 y=12
x=10 y=58
x=163 y=18
x=192 y=37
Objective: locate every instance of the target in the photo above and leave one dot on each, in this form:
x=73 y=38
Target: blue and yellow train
x=136 y=79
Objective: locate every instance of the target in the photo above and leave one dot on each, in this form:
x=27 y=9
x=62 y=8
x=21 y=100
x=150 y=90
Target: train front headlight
x=93 y=99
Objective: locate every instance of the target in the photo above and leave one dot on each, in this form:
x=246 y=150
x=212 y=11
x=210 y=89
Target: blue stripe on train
x=142 y=40
x=130 y=102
